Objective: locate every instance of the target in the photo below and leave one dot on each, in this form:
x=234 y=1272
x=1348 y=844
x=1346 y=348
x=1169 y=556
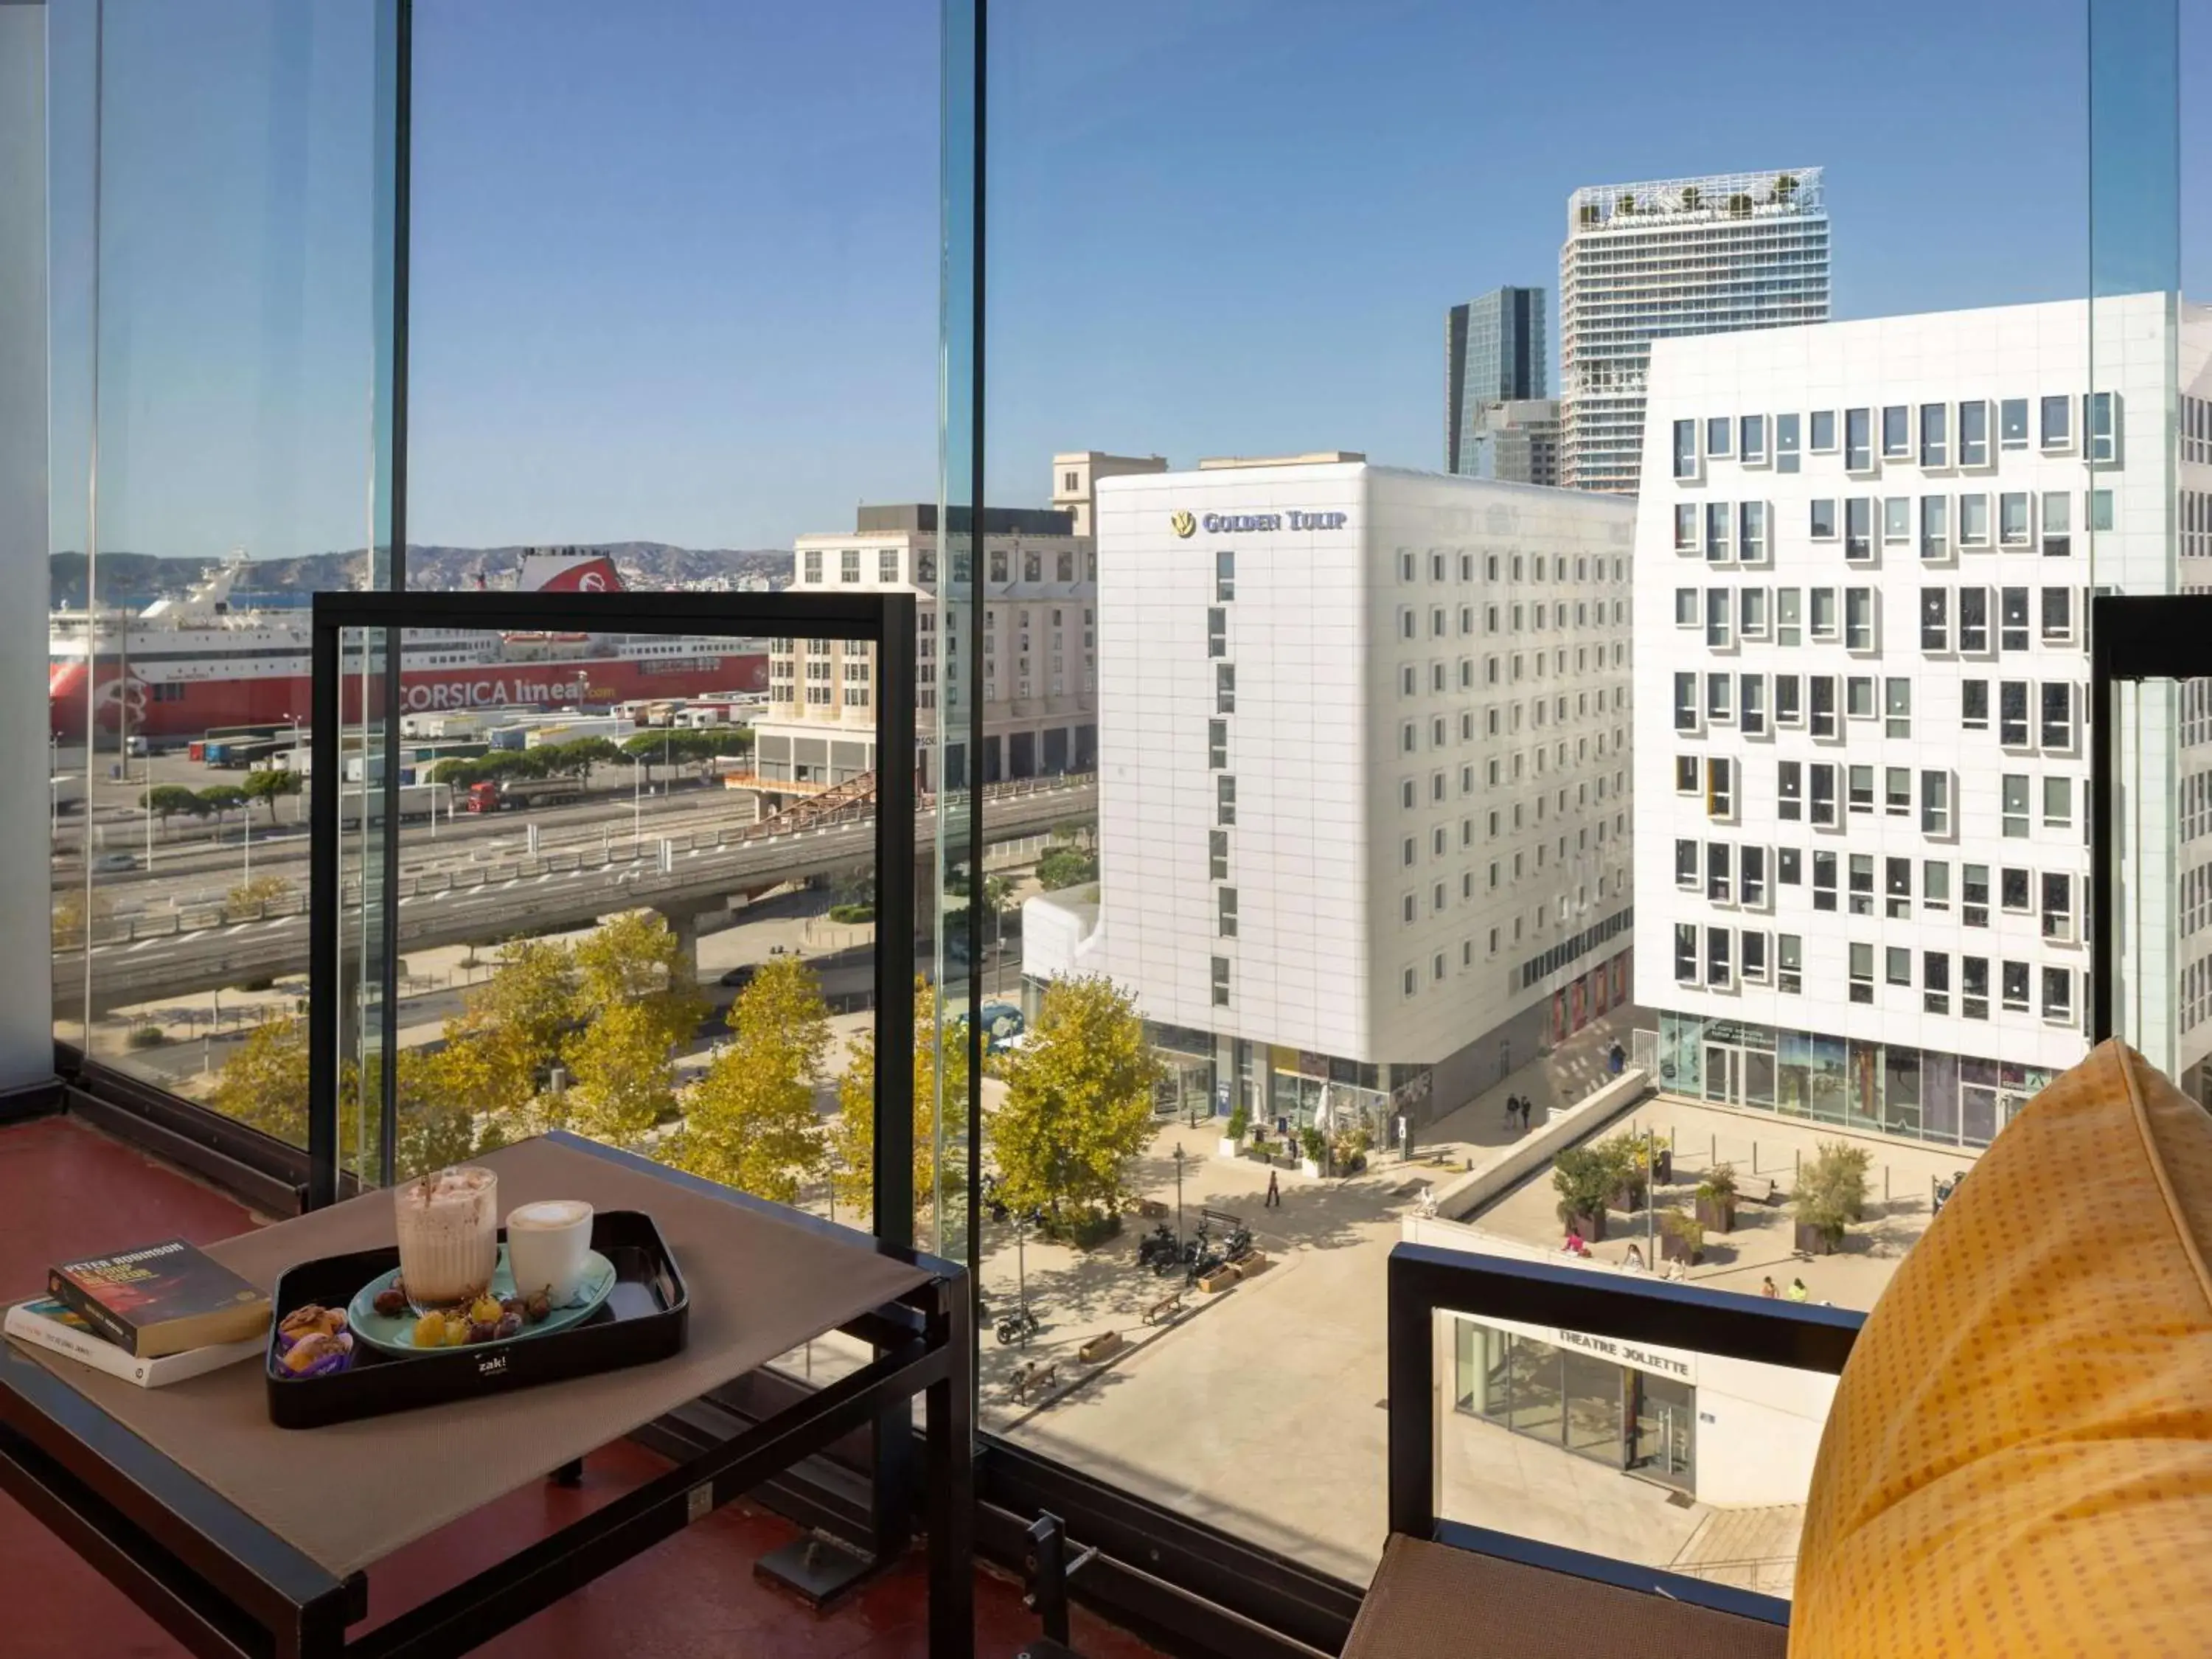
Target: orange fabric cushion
x=2019 y=1462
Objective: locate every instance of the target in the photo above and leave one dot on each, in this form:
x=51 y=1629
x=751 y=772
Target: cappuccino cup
x=546 y=1245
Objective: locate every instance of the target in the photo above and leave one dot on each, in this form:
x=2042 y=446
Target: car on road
x=741 y=975
x=107 y=863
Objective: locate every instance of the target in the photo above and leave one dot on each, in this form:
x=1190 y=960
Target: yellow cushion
x=2019 y=1462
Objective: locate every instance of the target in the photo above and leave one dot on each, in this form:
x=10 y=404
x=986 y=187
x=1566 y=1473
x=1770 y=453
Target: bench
x=1757 y=1190
x=1165 y=1309
x=1033 y=1378
x=1540 y=1601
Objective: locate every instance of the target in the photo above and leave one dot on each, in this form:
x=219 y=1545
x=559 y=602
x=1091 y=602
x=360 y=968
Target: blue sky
x=675 y=261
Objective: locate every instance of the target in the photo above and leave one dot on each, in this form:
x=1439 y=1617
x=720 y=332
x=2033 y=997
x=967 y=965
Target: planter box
x=1662 y=1166
x=1813 y=1242
x=1673 y=1249
x=1100 y=1347
x=1717 y=1214
x=1219 y=1279
x=1231 y=1148
x=1255 y=1263
x=1308 y=1167
x=1591 y=1227
x=1630 y=1198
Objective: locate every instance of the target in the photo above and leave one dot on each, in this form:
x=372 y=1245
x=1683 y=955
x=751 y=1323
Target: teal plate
x=395 y=1335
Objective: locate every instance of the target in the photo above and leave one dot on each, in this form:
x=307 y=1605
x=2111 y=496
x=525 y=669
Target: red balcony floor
x=66 y=1189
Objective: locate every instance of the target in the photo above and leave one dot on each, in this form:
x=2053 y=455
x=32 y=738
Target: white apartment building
x=1039 y=660
x=1663 y=260
x=1864 y=552
x=1364 y=779
x=1075 y=475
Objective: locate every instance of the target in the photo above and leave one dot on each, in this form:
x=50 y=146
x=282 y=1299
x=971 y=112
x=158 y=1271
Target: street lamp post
x=1178 y=1164
x=1021 y=1276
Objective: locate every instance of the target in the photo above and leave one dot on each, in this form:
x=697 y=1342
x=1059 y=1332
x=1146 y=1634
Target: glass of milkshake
x=448 y=1225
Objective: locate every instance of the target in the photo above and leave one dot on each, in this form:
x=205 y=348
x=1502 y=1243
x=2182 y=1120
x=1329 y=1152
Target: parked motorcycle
x=1019 y=1325
x=1238 y=1245
x=1158 y=1250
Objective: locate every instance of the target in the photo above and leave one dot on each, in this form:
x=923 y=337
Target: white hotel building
x=1364 y=779
x=1864 y=556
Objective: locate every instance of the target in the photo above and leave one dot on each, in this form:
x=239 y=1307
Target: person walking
x=1797 y=1290
x=1512 y=1110
x=1274 y=1200
x=1766 y=1286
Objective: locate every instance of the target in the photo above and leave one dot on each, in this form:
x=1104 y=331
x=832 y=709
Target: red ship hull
x=184 y=708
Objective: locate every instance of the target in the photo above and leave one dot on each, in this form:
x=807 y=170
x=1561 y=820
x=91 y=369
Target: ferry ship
x=226 y=655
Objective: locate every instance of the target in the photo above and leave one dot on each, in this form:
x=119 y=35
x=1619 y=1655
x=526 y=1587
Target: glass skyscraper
x=1666 y=258
x=1495 y=351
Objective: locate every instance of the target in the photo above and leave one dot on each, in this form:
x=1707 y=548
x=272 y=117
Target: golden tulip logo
x=1184 y=524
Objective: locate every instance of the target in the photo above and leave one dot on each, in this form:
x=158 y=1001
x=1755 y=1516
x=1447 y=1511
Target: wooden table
x=190 y=1501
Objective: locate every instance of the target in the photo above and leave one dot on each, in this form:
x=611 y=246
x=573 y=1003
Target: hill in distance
x=139 y=579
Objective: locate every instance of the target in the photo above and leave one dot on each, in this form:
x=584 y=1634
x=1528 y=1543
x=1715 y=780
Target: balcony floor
x=694 y=1594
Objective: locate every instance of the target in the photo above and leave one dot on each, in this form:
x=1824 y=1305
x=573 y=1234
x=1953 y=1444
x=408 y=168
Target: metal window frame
x=2132 y=638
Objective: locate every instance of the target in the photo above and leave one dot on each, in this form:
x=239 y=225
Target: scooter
x=1238 y=1244
x=1019 y=1325
x=1158 y=1250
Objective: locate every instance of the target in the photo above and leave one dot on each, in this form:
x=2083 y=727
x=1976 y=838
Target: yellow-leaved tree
x=750 y=1121
x=639 y=1007
x=508 y=1038
x=853 y=1135
x=1078 y=1104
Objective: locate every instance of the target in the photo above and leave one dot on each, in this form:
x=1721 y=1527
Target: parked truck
x=417 y=801
x=505 y=794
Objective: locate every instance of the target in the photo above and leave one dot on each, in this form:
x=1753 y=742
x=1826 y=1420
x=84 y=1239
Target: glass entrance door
x=1724 y=1068
x=1666 y=1431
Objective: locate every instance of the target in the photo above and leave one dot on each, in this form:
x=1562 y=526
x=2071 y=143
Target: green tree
x=271 y=784
x=852 y=1135
x=262 y=890
x=166 y=800
x=622 y=1075
x=264 y=1084
x=581 y=755
x=1066 y=866
x=508 y=1038
x=1078 y=1103
x=1832 y=1189
x=750 y=1121
x=220 y=798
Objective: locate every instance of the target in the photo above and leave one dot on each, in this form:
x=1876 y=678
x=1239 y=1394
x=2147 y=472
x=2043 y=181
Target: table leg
x=949 y=1438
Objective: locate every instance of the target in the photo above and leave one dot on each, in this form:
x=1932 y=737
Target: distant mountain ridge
x=139 y=579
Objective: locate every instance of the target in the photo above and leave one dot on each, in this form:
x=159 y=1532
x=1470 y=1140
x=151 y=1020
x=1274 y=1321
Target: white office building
x=1864 y=552
x=1364 y=779
x=1662 y=260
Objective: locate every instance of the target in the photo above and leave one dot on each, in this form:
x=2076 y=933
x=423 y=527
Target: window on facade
x=1686 y=774
x=1862 y=966
x=1897 y=708
x=1789 y=963
x=1974 y=895
x=1788 y=607
x=1897 y=965
x=1225 y=798
x=1221 y=982
x=1974 y=433
x=1974 y=520
x=2013 y=890
x=1751 y=712
x=1685 y=527
x=1719 y=432
x=1225 y=575
x=1754 y=944
x=1936 y=981
x=1858 y=439
x=2100 y=509
x=1752 y=619
x=1821 y=522
x=1685 y=702
x=1226 y=911
x=1789 y=790
x=813 y=564
x=1935 y=526
x=1897 y=520
x=1860 y=781
x=1936 y=803
x=1896 y=433
x=1824 y=704
x=1973 y=619
x=1824 y=792
x=1823 y=881
x=1751 y=523
x=1897 y=888
x=1685 y=864
x=1751 y=432
x=2013 y=523
x=1974 y=986
x=2057 y=422
x=1786 y=433
x=1717 y=687
x=2014 y=795
x=1934 y=885
x=2058 y=994
x=2102 y=425
x=1858 y=619
x=1719 y=885
x=1858 y=527
x=1720 y=787
x=2058 y=803
x=2012 y=423
x=1225 y=688
x=2057 y=905
x=1935 y=435
x=848 y=565
x=1685 y=953
x=2012 y=619
x=2058 y=616
x=1717 y=618
x=1897 y=791
x=1217 y=854
x=1974 y=705
x=1686 y=449
x=1716 y=532
x=1717 y=956
x=2012 y=714
x=1751 y=876
x=2012 y=986
x=1823 y=432
x=2057 y=714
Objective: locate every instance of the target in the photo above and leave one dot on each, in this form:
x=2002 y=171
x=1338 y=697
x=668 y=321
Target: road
x=144 y=958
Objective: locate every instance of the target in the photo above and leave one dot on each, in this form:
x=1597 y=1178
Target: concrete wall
x=1759 y=1426
x=26 y=1034
x=1560 y=1129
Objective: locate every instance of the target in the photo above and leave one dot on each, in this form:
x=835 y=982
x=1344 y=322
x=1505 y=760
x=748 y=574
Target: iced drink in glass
x=448 y=1226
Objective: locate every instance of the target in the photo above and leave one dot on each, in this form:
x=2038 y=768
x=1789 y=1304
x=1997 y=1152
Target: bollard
x=1712 y=1151
x=1885 y=1183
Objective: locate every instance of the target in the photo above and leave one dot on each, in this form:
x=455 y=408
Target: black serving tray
x=642 y=1320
